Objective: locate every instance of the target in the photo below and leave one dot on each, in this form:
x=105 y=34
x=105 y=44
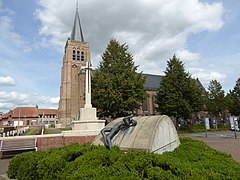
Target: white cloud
x=205 y=76
x=188 y=57
x=154 y=29
x=54 y=100
x=10 y=99
x=6 y=105
x=7 y=80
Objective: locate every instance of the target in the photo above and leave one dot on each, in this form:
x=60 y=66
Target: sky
x=204 y=34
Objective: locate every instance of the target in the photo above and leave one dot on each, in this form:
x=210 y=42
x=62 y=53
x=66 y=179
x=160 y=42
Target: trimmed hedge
x=191 y=160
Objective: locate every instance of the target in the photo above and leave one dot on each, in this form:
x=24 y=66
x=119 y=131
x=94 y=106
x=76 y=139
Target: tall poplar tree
x=178 y=94
x=117 y=88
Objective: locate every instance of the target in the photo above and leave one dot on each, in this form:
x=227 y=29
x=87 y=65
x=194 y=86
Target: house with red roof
x=29 y=116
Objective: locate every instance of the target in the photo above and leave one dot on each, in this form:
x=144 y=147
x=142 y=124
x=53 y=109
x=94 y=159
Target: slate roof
x=153 y=81
x=77 y=34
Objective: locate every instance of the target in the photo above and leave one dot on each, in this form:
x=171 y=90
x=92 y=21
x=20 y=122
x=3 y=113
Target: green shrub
x=93 y=163
x=14 y=165
x=191 y=160
x=223 y=126
x=198 y=127
x=23 y=166
x=49 y=167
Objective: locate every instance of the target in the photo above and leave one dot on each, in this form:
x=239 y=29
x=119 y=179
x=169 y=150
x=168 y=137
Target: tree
x=216 y=99
x=178 y=94
x=117 y=88
x=233 y=99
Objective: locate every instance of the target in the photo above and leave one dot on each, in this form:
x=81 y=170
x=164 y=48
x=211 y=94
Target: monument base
x=75 y=133
x=88 y=114
x=88 y=121
x=88 y=125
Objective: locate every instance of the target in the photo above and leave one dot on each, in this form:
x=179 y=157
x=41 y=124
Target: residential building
x=29 y=116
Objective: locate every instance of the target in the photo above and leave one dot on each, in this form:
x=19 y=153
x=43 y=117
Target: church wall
x=149 y=106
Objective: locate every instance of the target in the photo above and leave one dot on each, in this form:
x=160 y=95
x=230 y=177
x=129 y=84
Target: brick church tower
x=77 y=53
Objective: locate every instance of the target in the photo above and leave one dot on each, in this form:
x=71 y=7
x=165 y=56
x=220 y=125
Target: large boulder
x=151 y=134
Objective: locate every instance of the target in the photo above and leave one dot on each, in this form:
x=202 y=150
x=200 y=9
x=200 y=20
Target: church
x=76 y=55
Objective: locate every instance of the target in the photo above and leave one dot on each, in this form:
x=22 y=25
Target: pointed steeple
x=77 y=33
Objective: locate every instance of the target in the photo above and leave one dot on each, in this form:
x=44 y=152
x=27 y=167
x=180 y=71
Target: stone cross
x=88 y=68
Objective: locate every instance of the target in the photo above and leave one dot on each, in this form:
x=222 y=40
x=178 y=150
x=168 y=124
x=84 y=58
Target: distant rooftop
x=153 y=81
x=29 y=112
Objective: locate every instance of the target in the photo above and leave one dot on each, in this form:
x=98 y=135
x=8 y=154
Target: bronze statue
x=124 y=124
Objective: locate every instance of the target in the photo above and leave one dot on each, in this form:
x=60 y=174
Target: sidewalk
x=226 y=145
x=223 y=141
x=4 y=167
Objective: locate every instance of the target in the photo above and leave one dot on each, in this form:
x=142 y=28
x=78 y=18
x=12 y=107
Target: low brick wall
x=44 y=143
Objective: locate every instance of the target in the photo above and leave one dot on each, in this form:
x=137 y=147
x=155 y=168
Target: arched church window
x=78 y=55
x=153 y=103
x=74 y=55
x=82 y=55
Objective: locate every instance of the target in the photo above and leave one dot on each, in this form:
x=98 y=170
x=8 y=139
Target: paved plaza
x=223 y=141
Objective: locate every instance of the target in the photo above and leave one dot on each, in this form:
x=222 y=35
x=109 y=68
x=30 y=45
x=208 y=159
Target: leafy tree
x=178 y=95
x=216 y=98
x=117 y=88
x=233 y=99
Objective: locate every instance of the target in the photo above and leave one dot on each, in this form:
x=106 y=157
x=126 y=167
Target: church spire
x=77 y=33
